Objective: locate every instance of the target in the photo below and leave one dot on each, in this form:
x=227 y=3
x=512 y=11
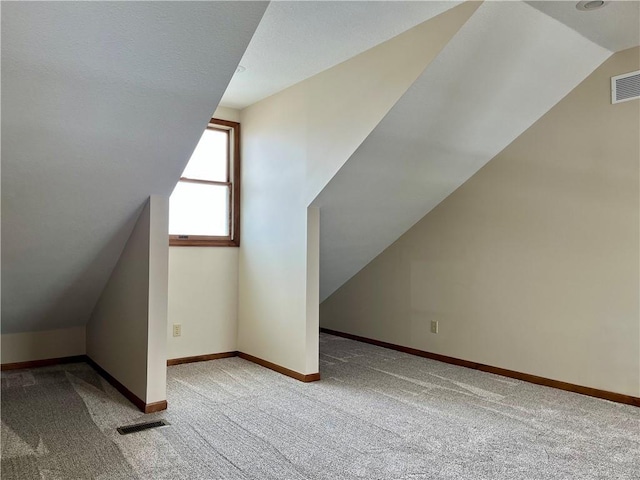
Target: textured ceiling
x=615 y=27
x=296 y=40
x=506 y=67
x=102 y=104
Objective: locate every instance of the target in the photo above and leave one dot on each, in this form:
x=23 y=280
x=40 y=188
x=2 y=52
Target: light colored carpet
x=376 y=414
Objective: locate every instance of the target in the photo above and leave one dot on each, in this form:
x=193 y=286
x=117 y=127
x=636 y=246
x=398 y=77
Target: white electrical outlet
x=434 y=326
x=177 y=329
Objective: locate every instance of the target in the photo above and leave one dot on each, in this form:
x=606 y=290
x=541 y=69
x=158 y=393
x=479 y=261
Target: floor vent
x=141 y=426
x=625 y=87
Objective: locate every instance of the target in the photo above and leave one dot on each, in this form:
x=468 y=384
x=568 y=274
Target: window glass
x=204 y=208
x=199 y=209
x=209 y=159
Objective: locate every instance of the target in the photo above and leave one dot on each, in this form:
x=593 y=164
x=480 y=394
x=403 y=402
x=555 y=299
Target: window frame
x=233 y=181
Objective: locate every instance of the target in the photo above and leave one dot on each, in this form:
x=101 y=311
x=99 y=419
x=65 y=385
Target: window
x=204 y=209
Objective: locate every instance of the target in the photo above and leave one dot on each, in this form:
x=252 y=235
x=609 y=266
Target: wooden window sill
x=203 y=243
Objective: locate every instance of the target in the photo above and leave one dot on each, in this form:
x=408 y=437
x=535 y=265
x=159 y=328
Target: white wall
x=203 y=293
x=126 y=333
x=293 y=143
x=272 y=262
x=24 y=347
x=312 y=326
x=158 y=295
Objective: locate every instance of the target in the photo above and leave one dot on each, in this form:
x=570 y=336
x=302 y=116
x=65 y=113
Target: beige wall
x=117 y=330
x=24 y=347
x=158 y=294
x=226 y=113
x=203 y=298
x=312 y=325
x=293 y=143
x=203 y=293
x=531 y=265
x=126 y=334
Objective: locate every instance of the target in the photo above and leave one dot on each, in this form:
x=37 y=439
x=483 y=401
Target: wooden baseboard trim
x=155 y=407
x=132 y=397
x=547 y=382
x=311 y=377
x=200 y=358
x=43 y=363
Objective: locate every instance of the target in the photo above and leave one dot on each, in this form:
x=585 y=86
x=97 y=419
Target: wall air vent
x=625 y=87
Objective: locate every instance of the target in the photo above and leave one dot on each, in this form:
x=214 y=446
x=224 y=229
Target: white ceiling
x=615 y=27
x=102 y=104
x=506 y=67
x=296 y=40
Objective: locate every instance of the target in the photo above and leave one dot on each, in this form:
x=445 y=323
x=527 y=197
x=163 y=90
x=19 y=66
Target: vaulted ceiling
x=615 y=27
x=297 y=40
x=102 y=105
x=506 y=67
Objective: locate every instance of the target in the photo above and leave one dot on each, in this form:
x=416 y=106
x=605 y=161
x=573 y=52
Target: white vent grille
x=625 y=87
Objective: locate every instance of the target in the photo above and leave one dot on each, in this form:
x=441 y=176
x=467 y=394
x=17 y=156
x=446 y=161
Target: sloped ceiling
x=506 y=67
x=102 y=105
x=296 y=40
x=615 y=27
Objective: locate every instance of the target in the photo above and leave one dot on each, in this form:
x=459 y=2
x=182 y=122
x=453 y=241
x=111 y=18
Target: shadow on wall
x=80 y=297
